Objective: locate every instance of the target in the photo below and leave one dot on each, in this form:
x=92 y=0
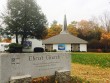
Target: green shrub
x=54 y=50
x=15 y=48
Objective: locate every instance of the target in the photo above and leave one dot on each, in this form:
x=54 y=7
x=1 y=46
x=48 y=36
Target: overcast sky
x=74 y=9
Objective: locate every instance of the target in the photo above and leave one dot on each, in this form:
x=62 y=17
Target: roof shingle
x=64 y=38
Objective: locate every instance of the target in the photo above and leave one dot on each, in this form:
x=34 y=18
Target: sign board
x=34 y=64
x=27 y=44
x=61 y=46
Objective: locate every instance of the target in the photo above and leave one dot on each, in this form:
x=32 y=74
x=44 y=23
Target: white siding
x=2 y=46
x=83 y=47
x=14 y=40
x=55 y=46
x=35 y=43
x=67 y=47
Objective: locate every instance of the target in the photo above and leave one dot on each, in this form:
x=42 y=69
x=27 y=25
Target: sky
x=75 y=10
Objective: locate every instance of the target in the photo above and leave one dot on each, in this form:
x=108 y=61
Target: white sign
x=34 y=64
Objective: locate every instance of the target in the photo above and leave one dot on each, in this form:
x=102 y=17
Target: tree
x=54 y=29
x=7 y=40
x=105 y=39
x=24 y=18
x=105 y=20
x=1 y=31
x=89 y=30
x=72 y=29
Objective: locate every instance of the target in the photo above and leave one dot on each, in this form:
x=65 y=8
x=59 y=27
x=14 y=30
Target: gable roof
x=64 y=38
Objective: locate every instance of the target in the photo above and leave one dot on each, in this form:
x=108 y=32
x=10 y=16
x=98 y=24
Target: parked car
x=38 y=49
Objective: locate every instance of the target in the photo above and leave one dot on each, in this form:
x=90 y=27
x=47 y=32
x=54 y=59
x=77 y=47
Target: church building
x=65 y=41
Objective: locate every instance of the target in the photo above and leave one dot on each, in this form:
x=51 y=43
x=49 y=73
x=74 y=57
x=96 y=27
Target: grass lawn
x=90 y=74
x=94 y=59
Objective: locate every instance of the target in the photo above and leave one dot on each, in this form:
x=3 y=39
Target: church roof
x=64 y=38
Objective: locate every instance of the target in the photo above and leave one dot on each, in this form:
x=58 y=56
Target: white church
x=65 y=42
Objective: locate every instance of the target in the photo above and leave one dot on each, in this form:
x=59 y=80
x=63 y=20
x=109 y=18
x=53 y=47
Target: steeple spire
x=65 y=24
x=64 y=29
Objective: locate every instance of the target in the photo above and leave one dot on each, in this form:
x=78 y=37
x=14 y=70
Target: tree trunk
x=22 y=40
x=16 y=38
x=106 y=47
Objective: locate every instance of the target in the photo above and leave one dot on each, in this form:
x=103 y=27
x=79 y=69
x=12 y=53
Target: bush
x=46 y=50
x=54 y=50
x=15 y=48
x=94 y=50
x=38 y=49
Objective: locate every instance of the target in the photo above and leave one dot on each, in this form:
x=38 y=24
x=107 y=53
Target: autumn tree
x=89 y=30
x=72 y=28
x=54 y=29
x=105 y=39
x=7 y=40
x=24 y=18
x=83 y=29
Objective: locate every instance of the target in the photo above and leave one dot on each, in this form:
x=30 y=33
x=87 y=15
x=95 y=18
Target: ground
x=91 y=73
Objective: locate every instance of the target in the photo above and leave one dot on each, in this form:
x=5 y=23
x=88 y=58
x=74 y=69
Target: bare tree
x=105 y=21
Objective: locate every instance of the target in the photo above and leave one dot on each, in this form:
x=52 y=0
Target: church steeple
x=64 y=29
x=65 y=24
